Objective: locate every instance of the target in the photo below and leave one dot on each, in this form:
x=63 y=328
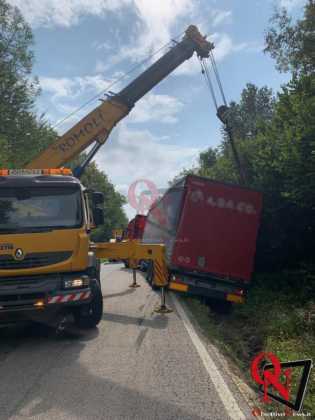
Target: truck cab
x=45 y=261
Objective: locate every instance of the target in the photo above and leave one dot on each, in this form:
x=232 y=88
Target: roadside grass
x=278 y=317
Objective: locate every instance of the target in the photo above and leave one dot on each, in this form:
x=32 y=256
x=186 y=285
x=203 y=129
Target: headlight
x=76 y=282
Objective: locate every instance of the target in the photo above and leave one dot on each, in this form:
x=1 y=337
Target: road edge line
x=224 y=392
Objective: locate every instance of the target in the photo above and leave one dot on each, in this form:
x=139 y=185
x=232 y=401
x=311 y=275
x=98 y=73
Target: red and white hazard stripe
x=72 y=297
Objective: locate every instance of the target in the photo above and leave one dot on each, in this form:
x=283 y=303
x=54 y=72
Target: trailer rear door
x=162 y=220
x=217 y=229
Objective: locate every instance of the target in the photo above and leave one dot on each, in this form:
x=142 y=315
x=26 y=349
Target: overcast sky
x=83 y=45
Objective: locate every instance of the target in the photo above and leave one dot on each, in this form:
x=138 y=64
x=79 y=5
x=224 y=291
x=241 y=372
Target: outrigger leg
x=134 y=283
x=163 y=309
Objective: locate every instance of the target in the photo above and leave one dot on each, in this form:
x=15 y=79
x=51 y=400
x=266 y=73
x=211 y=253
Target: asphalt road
x=137 y=365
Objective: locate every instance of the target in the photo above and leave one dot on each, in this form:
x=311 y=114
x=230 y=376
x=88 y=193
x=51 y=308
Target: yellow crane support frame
x=133 y=250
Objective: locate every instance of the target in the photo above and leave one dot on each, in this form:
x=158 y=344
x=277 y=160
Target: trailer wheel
x=89 y=316
x=221 y=307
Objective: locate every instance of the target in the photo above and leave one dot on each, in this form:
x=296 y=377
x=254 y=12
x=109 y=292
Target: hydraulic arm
x=97 y=125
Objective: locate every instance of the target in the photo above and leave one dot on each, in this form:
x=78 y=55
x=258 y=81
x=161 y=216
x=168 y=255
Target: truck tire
x=89 y=316
x=126 y=263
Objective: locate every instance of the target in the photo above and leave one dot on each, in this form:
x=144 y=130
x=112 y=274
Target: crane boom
x=97 y=125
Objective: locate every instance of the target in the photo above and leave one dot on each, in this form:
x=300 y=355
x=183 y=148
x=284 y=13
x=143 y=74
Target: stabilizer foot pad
x=163 y=310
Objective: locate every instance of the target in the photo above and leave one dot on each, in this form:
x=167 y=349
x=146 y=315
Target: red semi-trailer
x=135 y=230
x=210 y=230
x=136 y=227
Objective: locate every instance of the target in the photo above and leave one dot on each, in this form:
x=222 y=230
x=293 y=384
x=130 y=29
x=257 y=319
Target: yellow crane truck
x=48 y=264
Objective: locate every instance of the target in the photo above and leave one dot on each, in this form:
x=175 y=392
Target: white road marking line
x=223 y=390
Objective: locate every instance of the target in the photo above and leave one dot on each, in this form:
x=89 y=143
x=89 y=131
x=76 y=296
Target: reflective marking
x=223 y=390
x=72 y=297
x=86 y=295
x=67 y=298
x=158 y=270
x=53 y=299
x=178 y=286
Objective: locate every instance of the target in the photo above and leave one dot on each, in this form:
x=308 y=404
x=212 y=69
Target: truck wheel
x=88 y=316
x=126 y=263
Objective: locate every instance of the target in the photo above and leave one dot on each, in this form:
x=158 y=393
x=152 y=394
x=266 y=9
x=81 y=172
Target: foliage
x=293 y=45
x=207 y=159
x=19 y=127
x=182 y=174
x=279 y=160
x=270 y=321
x=114 y=215
x=255 y=108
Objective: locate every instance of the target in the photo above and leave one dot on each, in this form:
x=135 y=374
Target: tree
x=207 y=159
x=283 y=168
x=16 y=38
x=184 y=172
x=247 y=118
x=293 y=45
x=19 y=126
x=275 y=138
x=276 y=144
x=255 y=108
x=115 y=217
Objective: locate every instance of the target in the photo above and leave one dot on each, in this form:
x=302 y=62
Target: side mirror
x=98 y=216
x=97 y=198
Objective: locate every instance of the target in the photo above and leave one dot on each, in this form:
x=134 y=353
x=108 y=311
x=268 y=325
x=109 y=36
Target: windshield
x=39 y=209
